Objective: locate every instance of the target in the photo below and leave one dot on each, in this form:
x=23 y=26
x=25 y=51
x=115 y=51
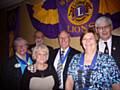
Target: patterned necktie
x=59 y=66
x=106 y=50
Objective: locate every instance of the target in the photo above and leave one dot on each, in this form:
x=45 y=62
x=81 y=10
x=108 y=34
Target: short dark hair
x=37 y=31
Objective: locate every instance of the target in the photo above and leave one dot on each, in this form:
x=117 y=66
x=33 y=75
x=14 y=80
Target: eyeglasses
x=104 y=27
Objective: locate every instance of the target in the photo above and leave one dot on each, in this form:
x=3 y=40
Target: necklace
x=41 y=67
x=85 y=72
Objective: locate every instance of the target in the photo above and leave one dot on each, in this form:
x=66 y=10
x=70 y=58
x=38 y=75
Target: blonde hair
x=40 y=48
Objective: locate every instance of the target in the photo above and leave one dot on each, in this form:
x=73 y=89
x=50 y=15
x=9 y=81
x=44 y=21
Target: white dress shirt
x=102 y=45
x=56 y=62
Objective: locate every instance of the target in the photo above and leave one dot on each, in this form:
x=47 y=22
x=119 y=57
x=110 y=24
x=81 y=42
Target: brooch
x=114 y=48
x=17 y=65
x=32 y=68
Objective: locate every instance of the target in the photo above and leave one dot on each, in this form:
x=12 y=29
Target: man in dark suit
x=64 y=42
x=108 y=43
x=39 y=39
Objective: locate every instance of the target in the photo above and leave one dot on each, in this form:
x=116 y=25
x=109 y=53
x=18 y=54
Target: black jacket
x=70 y=55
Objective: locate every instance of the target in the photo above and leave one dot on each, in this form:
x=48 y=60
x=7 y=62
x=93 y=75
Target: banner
x=44 y=17
x=78 y=15
x=75 y=16
x=111 y=9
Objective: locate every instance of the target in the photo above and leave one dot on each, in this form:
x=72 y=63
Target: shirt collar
x=108 y=41
x=17 y=54
x=65 y=50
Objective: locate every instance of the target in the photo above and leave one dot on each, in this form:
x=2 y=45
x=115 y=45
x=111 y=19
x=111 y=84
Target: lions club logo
x=80 y=11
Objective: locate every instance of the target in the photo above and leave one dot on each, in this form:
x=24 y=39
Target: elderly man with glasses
x=108 y=43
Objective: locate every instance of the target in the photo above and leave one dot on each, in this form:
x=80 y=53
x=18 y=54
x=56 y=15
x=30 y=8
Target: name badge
x=17 y=65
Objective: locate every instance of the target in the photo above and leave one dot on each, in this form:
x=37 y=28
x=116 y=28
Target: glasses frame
x=103 y=27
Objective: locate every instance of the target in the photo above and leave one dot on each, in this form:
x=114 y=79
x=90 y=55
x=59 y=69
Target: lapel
x=68 y=61
x=53 y=55
x=17 y=70
x=56 y=51
x=114 y=44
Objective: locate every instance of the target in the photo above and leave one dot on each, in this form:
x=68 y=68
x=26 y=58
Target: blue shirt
x=101 y=77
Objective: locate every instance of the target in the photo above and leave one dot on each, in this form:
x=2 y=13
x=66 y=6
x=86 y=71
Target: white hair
x=19 y=40
x=103 y=18
x=40 y=48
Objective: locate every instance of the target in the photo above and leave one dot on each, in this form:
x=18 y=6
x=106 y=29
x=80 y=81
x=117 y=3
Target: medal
x=85 y=72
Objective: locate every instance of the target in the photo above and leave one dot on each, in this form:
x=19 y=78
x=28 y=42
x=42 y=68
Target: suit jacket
x=69 y=57
x=12 y=74
x=115 y=52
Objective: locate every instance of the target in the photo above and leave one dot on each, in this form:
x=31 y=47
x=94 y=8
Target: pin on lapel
x=17 y=65
x=114 y=48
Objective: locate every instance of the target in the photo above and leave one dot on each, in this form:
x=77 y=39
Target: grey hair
x=40 y=48
x=103 y=18
x=65 y=32
x=18 y=40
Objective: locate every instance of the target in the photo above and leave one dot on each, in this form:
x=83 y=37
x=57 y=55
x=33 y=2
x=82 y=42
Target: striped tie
x=59 y=67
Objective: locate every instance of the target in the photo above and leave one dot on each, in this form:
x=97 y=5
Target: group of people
x=40 y=67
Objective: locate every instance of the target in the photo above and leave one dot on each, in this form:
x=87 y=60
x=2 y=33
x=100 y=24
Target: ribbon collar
x=92 y=64
x=65 y=56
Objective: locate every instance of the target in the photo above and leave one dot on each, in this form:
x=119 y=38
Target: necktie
x=59 y=66
x=106 y=50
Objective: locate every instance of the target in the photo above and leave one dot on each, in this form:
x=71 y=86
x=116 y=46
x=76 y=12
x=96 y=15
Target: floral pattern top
x=101 y=77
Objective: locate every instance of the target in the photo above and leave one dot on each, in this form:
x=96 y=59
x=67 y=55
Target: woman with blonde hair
x=40 y=75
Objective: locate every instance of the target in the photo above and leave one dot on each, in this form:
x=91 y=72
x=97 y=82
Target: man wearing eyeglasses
x=108 y=43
